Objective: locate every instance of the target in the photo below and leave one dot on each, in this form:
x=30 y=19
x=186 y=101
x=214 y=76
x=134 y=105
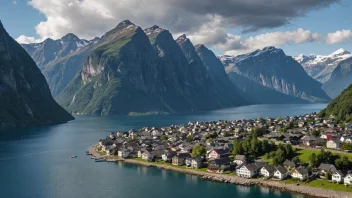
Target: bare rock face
x=24 y=93
x=271 y=68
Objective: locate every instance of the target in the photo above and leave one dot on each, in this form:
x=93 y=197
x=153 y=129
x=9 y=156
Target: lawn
x=321 y=184
x=304 y=154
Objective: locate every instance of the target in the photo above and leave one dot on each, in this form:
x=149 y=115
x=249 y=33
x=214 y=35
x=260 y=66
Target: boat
x=92 y=158
x=74 y=156
x=100 y=160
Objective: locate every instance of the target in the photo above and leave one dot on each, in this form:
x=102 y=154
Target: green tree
x=313 y=160
x=190 y=138
x=198 y=150
x=163 y=138
x=316 y=133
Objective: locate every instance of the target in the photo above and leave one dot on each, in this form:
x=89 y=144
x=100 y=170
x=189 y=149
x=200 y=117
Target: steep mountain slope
x=24 y=94
x=59 y=60
x=136 y=71
x=320 y=67
x=271 y=68
x=227 y=92
x=340 y=78
x=340 y=107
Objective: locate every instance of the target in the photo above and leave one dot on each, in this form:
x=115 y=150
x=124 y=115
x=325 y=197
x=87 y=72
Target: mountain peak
x=181 y=38
x=70 y=36
x=340 y=51
x=125 y=23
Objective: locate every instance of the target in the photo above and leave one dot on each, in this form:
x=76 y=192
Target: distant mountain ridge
x=321 y=67
x=271 y=68
x=131 y=70
x=340 y=79
x=24 y=94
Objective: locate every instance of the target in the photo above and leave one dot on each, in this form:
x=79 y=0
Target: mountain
x=272 y=69
x=340 y=78
x=320 y=67
x=340 y=107
x=132 y=71
x=60 y=60
x=227 y=92
x=24 y=94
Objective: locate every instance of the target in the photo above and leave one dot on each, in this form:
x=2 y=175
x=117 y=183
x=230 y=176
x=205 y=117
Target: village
x=301 y=148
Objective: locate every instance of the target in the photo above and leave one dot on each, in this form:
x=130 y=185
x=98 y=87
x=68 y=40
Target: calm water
x=35 y=162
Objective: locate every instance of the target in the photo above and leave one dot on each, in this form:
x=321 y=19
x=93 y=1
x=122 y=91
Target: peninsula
x=305 y=154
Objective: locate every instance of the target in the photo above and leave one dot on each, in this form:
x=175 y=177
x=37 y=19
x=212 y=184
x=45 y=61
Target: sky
x=230 y=27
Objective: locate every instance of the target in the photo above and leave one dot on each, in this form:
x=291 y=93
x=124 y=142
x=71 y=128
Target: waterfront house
x=300 y=173
x=218 y=153
x=333 y=144
x=280 y=173
x=147 y=156
x=289 y=164
x=247 y=170
x=337 y=177
x=348 y=179
x=219 y=165
x=180 y=159
x=197 y=162
x=124 y=153
x=324 y=168
x=167 y=157
x=240 y=159
x=188 y=161
x=267 y=171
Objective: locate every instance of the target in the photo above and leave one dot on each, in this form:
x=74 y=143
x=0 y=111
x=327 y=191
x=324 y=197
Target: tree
x=190 y=138
x=163 y=138
x=198 y=150
x=279 y=157
x=316 y=133
x=237 y=148
x=296 y=160
x=313 y=160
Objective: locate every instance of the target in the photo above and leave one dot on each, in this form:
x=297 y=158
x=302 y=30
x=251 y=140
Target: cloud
x=235 y=44
x=25 y=40
x=14 y=2
x=338 y=36
x=90 y=18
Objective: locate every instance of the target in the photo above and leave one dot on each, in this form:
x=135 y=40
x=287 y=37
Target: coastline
x=222 y=178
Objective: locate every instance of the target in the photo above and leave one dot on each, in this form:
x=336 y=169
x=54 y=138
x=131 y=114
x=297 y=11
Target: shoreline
x=223 y=178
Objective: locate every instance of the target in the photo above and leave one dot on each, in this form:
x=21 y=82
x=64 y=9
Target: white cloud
x=25 y=40
x=14 y=2
x=338 y=36
x=217 y=37
x=90 y=18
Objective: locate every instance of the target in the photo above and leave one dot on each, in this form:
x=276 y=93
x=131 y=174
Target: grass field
x=304 y=154
x=321 y=184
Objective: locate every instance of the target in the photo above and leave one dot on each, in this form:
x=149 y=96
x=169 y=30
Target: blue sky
x=21 y=18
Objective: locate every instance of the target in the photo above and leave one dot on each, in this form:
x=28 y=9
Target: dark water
x=35 y=162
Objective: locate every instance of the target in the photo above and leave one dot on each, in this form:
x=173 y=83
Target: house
x=240 y=159
x=247 y=170
x=188 y=161
x=333 y=144
x=324 y=168
x=218 y=153
x=280 y=173
x=337 y=177
x=197 y=162
x=300 y=173
x=180 y=159
x=147 y=156
x=267 y=171
x=308 y=140
x=348 y=179
x=167 y=157
x=219 y=165
x=289 y=164
x=124 y=153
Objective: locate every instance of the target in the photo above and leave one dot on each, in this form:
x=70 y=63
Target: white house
x=300 y=173
x=348 y=179
x=267 y=171
x=333 y=144
x=197 y=162
x=147 y=156
x=247 y=170
x=123 y=153
x=280 y=173
x=337 y=177
x=240 y=159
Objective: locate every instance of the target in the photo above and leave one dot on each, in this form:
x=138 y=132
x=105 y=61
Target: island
x=306 y=154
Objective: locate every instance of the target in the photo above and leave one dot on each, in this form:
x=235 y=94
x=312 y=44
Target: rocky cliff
x=24 y=94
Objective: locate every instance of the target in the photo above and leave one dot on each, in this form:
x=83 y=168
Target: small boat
x=92 y=158
x=100 y=160
x=74 y=156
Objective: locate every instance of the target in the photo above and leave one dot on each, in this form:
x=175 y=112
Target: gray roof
x=302 y=170
x=327 y=167
x=269 y=168
x=281 y=169
x=240 y=157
